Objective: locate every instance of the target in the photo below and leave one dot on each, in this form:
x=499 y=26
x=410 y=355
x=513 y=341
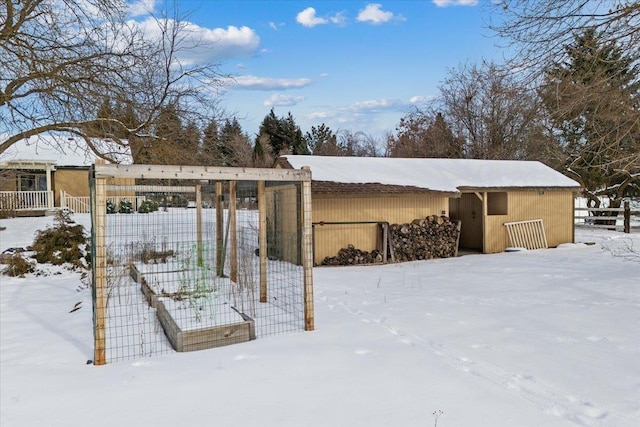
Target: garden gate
x=194 y=257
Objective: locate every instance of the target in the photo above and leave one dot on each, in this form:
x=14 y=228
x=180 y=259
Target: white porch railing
x=26 y=200
x=73 y=203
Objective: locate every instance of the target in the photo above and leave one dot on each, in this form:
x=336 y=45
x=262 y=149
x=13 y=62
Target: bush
x=126 y=207
x=66 y=242
x=111 y=208
x=148 y=206
x=18 y=266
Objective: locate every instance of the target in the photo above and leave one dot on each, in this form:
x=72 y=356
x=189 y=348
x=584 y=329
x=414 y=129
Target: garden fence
x=188 y=258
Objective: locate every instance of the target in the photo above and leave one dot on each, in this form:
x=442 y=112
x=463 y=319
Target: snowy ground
x=538 y=338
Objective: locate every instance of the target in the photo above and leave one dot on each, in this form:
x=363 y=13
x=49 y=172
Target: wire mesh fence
x=183 y=264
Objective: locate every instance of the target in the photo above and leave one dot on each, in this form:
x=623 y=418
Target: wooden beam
x=200 y=172
x=479 y=195
x=307 y=255
x=99 y=261
x=199 y=224
x=219 y=231
x=262 y=240
x=152 y=188
x=484 y=221
x=233 y=259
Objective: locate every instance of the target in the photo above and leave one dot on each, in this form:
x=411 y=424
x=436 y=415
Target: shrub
x=66 y=242
x=148 y=206
x=111 y=208
x=126 y=207
x=17 y=265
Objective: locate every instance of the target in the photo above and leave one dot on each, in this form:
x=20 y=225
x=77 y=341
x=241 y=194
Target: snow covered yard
x=538 y=338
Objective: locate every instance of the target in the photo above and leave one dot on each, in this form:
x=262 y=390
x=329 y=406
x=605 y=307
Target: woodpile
x=426 y=238
x=352 y=256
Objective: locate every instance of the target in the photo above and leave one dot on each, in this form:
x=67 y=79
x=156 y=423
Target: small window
x=496 y=203
x=33 y=182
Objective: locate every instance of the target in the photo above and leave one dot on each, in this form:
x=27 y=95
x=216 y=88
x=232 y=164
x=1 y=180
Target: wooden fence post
x=199 y=224
x=219 y=231
x=98 y=230
x=627 y=217
x=233 y=243
x=262 y=240
x=307 y=253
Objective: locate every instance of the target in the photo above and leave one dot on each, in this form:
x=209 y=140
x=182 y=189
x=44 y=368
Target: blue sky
x=353 y=65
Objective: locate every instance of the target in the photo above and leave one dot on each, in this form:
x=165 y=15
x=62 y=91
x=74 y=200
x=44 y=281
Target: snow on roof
x=449 y=175
x=61 y=151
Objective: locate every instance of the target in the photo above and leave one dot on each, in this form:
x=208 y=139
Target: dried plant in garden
x=243 y=291
x=18 y=266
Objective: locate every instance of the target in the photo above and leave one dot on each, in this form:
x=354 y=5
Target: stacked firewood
x=353 y=256
x=426 y=238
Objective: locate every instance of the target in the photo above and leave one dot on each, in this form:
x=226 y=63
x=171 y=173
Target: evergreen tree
x=230 y=135
x=322 y=141
x=282 y=134
x=209 y=150
x=189 y=143
x=593 y=99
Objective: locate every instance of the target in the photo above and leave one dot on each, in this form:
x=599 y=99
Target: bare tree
x=60 y=60
x=536 y=32
x=494 y=114
x=595 y=111
x=357 y=144
x=424 y=134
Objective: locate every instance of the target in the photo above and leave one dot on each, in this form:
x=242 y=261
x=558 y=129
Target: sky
x=352 y=65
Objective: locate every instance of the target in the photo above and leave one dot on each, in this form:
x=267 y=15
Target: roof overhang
x=28 y=164
x=502 y=189
x=330 y=187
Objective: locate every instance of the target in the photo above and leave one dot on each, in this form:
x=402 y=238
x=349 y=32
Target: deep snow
x=536 y=338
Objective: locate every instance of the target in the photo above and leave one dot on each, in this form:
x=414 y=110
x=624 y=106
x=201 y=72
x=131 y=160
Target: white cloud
x=205 y=44
x=420 y=99
x=377 y=105
x=275 y=26
x=141 y=7
x=445 y=3
x=320 y=115
x=279 y=100
x=339 y=19
x=267 y=83
x=374 y=14
x=309 y=19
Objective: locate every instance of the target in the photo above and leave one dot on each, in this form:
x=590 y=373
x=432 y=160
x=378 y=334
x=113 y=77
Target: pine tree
x=322 y=141
x=209 y=149
x=593 y=98
x=282 y=134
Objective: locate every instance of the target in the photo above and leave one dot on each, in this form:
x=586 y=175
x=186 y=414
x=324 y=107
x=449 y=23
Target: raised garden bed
x=194 y=321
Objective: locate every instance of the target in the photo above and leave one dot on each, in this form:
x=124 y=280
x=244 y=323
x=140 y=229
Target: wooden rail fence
x=607 y=217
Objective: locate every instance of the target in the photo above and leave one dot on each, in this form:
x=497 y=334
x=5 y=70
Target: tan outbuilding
x=353 y=196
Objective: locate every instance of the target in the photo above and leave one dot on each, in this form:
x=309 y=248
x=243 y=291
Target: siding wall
x=555 y=208
x=73 y=181
x=329 y=239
